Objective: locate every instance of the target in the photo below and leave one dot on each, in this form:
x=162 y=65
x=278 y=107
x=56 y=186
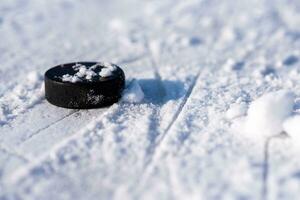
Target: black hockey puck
x=84 y=85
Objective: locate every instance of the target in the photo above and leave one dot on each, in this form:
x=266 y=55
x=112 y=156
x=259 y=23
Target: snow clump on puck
x=87 y=73
x=107 y=70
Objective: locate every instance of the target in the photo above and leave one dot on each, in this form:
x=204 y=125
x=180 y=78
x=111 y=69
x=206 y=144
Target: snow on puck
x=83 y=85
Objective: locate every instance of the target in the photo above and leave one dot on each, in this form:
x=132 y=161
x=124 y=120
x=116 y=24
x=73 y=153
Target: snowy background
x=210 y=126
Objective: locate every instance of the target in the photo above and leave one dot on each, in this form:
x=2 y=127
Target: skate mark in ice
x=149 y=88
x=174 y=119
x=83 y=141
x=152 y=51
x=74 y=147
x=48 y=126
x=84 y=138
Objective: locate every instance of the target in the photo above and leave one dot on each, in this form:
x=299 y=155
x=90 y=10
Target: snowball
x=267 y=114
x=292 y=127
x=236 y=110
x=134 y=93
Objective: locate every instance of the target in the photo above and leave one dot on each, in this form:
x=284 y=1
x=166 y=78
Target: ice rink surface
x=200 y=64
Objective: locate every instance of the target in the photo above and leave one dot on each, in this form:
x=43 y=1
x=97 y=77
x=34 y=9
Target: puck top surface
x=83 y=72
x=84 y=84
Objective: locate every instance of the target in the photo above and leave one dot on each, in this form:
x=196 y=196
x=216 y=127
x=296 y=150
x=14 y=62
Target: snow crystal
x=236 y=110
x=267 y=114
x=133 y=93
x=292 y=127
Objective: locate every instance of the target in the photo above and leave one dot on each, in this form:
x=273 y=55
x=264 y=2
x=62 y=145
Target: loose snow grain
x=134 y=93
x=267 y=114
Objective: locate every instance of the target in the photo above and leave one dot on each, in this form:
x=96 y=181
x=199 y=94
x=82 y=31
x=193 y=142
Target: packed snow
x=266 y=114
x=211 y=88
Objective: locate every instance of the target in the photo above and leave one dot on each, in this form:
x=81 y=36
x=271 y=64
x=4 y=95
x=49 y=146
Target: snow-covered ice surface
x=198 y=66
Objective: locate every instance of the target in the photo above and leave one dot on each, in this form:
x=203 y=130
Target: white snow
x=22 y=97
x=133 y=93
x=198 y=66
x=292 y=127
x=266 y=114
x=236 y=110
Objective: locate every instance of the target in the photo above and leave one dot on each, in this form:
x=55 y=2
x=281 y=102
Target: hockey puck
x=84 y=85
